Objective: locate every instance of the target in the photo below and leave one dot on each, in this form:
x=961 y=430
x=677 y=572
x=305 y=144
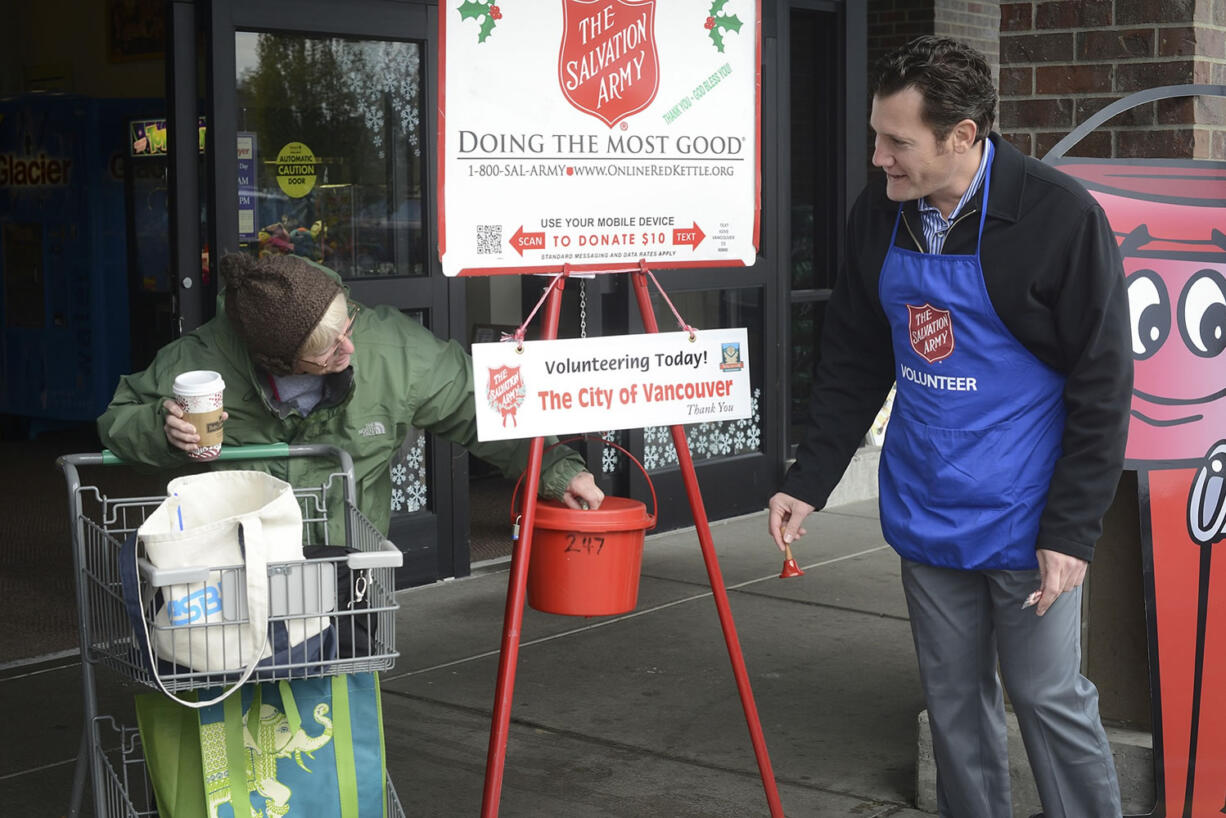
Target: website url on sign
x=653 y=170
x=611 y=254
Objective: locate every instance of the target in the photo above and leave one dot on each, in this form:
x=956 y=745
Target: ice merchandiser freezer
x=64 y=317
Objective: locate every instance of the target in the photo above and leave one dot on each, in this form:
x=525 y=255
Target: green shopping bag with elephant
x=307 y=748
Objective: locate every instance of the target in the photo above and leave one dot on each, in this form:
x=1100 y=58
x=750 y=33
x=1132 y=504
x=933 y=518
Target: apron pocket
x=954 y=468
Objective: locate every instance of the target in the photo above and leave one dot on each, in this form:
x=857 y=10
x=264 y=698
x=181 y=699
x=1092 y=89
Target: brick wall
x=892 y=23
x=975 y=23
x=1064 y=60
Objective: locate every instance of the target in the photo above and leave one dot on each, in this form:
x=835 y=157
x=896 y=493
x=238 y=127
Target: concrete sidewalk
x=636 y=715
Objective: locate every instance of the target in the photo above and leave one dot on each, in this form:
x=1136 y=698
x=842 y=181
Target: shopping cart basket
x=351 y=589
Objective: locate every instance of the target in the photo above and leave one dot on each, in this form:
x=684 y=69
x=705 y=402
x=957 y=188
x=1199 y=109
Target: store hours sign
x=597 y=133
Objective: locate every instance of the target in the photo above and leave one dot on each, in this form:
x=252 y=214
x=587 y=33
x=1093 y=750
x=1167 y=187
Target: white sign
x=597 y=133
x=621 y=382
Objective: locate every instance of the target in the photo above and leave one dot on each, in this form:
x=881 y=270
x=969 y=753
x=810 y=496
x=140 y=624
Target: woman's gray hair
x=321 y=339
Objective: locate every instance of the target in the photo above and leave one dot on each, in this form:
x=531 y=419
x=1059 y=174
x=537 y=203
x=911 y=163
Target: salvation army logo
x=931 y=332
x=506 y=392
x=607 y=64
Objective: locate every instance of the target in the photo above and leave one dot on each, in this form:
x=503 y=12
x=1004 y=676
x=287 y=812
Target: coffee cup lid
x=199 y=382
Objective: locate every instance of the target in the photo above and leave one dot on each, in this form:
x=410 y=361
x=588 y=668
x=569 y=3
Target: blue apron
x=975 y=430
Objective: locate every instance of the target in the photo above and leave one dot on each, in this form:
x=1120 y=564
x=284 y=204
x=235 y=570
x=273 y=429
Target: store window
x=331 y=151
x=410 y=468
x=713 y=309
x=410 y=488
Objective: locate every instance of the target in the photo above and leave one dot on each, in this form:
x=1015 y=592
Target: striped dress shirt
x=936 y=226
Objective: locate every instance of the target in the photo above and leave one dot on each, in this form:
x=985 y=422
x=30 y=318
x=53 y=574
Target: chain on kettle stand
x=611 y=435
x=582 y=308
x=583 y=334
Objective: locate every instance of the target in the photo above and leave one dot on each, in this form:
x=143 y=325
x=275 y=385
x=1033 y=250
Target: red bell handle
x=633 y=459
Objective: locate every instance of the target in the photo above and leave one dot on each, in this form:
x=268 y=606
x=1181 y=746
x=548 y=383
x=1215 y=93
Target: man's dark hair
x=954 y=80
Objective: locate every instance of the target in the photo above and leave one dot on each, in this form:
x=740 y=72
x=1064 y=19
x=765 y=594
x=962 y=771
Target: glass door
x=732 y=459
x=822 y=82
x=330 y=113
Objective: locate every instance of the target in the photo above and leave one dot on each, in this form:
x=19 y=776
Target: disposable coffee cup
x=198 y=394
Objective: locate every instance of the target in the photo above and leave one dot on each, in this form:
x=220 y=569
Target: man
x=302 y=364
x=989 y=286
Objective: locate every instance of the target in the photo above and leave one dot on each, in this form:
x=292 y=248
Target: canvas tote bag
x=307 y=748
x=219 y=519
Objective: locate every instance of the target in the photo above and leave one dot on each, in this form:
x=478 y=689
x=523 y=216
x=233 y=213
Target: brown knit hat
x=275 y=302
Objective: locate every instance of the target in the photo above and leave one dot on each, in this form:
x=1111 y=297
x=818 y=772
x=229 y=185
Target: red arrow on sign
x=692 y=237
x=522 y=241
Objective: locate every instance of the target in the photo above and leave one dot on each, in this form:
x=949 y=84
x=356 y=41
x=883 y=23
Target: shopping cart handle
x=254 y=452
x=388 y=556
x=257 y=451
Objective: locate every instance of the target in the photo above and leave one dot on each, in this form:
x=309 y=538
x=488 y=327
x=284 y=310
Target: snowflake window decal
x=708 y=439
x=410 y=491
x=417 y=455
x=415 y=497
x=650 y=459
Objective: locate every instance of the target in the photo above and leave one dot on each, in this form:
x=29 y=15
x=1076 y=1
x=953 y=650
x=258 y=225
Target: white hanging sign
x=621 y=382
x=597 y=133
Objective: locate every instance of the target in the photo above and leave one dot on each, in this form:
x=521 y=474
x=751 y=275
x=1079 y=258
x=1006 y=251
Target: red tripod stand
x=513 y=617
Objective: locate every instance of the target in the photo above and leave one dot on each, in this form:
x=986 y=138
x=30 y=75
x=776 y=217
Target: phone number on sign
x=542 y=169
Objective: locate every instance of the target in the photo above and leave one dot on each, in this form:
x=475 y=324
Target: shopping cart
x=361 y=610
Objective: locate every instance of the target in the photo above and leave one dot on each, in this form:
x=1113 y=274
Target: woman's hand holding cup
x=194 y=417
x=180 y=432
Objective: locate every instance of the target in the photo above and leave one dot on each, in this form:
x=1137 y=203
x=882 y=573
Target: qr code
x=489 y=239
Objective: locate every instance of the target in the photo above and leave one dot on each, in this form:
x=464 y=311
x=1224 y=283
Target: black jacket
x=1054 y=275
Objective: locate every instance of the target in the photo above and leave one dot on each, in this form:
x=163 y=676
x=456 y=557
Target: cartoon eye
x=1202 y=313
x=1150 y=311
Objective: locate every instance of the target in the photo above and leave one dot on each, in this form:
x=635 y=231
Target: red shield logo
x=608 y=65
x=506 y=392
x=931 y=332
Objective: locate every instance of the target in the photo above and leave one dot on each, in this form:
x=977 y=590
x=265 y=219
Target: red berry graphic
x=570 y=171
x=496 y=12
x=710 y=24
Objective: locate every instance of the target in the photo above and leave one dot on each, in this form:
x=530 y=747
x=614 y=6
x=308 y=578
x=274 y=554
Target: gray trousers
x=963 y=623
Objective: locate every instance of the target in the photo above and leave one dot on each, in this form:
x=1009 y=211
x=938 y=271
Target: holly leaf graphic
x=471 y=10
x=723 y=23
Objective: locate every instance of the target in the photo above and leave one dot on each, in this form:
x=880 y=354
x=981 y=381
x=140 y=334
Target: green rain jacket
x=401 y=377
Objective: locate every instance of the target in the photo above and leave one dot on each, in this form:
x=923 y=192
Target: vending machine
x=64 y=299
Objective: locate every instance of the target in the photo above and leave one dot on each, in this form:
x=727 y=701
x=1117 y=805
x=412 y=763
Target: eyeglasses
x=325 y=358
